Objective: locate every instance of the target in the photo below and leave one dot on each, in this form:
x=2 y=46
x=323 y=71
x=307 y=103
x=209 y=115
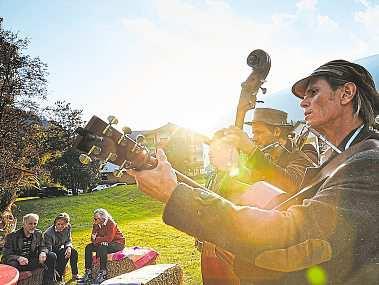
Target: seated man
x=24 y=249
x=58 y=241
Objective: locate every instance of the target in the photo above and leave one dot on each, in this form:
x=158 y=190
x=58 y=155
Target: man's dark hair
x=363 y=103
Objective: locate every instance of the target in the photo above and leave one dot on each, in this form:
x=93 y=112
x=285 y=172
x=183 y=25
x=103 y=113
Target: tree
x=68 y=171
x=22 y=86
x=62 y=160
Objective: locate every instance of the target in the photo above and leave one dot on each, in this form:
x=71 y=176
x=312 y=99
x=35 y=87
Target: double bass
x=217 y=264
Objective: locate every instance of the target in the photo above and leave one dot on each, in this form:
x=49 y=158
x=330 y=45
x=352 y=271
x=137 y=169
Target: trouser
x=101 y=252
x=62 y=261
x=49 y=266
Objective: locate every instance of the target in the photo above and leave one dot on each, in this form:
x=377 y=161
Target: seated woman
x=58 y=240
x=106 y=238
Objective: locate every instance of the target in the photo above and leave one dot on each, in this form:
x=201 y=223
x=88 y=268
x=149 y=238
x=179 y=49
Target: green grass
x=139 y=218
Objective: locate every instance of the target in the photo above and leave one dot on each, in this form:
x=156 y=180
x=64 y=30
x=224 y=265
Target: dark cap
x=269 y=116
x=340 y=69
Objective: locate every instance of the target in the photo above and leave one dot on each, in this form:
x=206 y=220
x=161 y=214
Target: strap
x=328 y=170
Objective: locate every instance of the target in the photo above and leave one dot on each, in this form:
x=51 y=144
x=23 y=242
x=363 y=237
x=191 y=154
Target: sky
x=150 y=62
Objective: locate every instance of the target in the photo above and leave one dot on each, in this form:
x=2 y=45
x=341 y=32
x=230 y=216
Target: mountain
x=286 y=101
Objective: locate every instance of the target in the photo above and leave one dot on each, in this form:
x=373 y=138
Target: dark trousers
x=49 y=266
x=101 y=252
x=62 y=261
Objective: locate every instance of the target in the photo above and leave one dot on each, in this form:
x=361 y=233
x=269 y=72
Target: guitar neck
x=185 y=179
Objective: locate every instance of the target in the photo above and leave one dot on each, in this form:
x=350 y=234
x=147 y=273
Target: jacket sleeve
x=68 y=242
x=9 y=252
x=48 y=240
x=41 y=243
x=110 y=231
x=344 y=207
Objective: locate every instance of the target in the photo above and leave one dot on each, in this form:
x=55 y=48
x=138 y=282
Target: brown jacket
x=335 y=227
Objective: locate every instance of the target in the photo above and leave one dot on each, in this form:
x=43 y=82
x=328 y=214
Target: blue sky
x=159 y=61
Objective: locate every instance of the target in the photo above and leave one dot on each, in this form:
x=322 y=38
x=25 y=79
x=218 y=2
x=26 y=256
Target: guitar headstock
x=100 y=140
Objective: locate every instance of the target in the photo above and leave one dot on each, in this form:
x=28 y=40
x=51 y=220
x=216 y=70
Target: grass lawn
x=138 y=217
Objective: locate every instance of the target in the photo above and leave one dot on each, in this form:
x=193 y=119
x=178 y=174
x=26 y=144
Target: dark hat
x=269 y=116
x=340 y=69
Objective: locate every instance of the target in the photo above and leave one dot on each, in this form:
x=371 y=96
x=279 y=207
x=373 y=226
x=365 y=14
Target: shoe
x=101 y=276
x=86 y=279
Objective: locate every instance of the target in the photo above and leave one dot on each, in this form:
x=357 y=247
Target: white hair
x=28 y=216
x=104 y=215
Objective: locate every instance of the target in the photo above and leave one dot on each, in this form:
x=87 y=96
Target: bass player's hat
x=269 y=116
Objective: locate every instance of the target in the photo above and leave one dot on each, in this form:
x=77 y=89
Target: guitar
x=217 y=264
x=99 y=140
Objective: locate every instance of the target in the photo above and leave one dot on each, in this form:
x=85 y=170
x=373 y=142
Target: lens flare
x=316 y=275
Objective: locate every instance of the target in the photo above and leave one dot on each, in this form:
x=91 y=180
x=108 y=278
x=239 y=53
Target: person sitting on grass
x=58 y=241
x=106 y=238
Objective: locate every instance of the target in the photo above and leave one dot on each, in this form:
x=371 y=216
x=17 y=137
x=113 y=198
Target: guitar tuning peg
x=118 y=173
x=139 y=141
x=112 y=120
x=96 y=150
x=140 y=138
x=84 y=159
x=111 y=157
x=264 y=90
x=102 y=165
x=126 y=130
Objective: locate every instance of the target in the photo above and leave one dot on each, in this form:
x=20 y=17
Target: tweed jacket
x=336 y=227
x=286 y=172
x=14 y=242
